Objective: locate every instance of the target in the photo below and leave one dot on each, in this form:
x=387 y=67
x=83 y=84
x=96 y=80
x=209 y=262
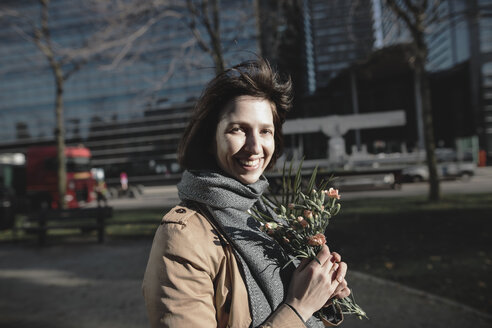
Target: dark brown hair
x=252 y=78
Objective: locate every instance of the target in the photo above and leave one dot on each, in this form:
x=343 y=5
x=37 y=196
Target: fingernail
x=340 y=279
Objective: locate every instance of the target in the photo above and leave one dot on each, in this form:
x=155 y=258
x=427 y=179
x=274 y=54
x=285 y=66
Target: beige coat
x=193 y=279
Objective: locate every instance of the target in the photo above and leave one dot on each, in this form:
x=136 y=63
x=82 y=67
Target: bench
x=85 y=219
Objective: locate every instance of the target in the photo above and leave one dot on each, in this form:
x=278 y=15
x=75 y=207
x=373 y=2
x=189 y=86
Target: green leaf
x=259 y=216
x=334 y=211
x=312 y=180
x=290 y=191
x=298 y=182
x=284 y=188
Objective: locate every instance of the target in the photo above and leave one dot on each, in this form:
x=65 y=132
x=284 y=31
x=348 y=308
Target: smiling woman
x=210 y=265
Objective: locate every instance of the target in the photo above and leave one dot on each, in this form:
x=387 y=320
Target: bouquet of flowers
x=303 y=217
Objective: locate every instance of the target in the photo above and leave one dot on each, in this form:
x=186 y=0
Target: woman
x=210 y=265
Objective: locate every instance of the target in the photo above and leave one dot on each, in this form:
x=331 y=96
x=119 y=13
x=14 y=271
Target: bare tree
x=63 y=63
x=206 y=13
x=202 y=18
x=418 y=16
x=40 y=35
x=118 y=40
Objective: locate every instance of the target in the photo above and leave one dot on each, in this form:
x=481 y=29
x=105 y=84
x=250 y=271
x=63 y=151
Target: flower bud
x=317 y=240
x=302 y=222
x=332 y=193
x=308 y=214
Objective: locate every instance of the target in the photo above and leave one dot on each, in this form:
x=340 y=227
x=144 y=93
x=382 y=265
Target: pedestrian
x=101 y=193
x=210 y=265
x=124 y=181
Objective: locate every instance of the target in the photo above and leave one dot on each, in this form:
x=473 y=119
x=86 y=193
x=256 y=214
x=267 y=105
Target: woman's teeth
x=249 y=163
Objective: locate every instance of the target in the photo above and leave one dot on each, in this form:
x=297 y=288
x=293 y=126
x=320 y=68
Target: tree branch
x=434 y=13
x=411 y=6
x=45 y=29
x=75 y=67
x=400 y=13
x=192 y=25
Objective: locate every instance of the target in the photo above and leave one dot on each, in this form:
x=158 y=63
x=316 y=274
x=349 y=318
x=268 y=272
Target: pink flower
x=302 y=222
x=286 y=240
x=271 y=225
x=308 y=214
x=317 y=240
x=332 y=193
x=291 y=206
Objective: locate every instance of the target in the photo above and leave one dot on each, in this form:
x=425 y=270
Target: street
x=167 y=196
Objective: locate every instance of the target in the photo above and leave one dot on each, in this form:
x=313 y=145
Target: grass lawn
x=443 y=248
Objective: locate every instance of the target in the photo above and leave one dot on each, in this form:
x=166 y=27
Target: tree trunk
x=219 y=62
x=434 y=191
x=216 y=39
x=60 y=137
x=413 y=14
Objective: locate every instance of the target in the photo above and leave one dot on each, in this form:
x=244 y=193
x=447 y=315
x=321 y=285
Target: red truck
x=42 y=180
x=30 y=181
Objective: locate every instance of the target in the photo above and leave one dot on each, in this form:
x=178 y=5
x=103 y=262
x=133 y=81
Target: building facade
x=129 y=103
x=463 y=33
x=342 y=32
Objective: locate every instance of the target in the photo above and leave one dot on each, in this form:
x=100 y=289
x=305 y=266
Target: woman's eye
x=236 y=129
x=267 y=131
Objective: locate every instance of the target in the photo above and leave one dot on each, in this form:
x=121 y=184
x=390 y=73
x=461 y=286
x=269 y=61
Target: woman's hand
x=340 y=271
x=313 y=283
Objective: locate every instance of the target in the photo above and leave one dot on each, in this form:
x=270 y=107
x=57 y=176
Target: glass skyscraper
x=342 y=33
x=463 y=33
x=129 y=111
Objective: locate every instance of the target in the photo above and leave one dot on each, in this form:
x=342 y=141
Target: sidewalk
x=90 y=285
x=484 y=171
x=389 y=304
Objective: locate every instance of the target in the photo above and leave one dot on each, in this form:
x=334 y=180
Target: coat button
x=180 y=210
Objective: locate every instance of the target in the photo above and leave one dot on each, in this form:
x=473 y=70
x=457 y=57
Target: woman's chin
x=248 y=178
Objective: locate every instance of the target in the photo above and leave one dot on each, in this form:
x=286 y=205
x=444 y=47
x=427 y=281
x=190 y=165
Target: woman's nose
x=253 y=143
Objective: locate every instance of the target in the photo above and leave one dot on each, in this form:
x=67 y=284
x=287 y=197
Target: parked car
x=445 y=170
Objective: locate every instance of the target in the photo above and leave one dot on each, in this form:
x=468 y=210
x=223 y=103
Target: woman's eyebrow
x=239 y=122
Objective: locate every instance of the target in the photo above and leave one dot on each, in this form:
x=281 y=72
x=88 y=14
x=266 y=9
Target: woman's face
x=244 y=139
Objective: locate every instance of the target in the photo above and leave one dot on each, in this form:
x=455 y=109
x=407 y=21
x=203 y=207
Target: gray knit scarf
x=260 y=257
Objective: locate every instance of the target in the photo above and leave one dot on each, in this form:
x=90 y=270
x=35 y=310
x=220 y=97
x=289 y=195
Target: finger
x=333 y=269
x=343 y=293
x=341 y=272
x=324 y=255
x=340 y=287
x=336 y=257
